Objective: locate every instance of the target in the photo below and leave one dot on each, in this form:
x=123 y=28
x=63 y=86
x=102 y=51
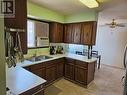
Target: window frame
x=34 y=19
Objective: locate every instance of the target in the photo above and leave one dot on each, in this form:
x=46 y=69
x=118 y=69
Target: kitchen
x=58 y=60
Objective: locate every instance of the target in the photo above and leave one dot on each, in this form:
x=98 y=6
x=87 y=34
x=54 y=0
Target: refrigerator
x=125 y=66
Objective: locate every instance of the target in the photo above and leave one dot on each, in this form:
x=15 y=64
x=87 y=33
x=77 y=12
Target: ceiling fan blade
x=120 y=25
x=108 y=24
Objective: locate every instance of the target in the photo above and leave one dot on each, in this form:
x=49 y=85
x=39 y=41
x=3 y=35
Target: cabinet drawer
x=81 y=64
x=35 y=91
x=37 y=66
x=50 y=63
x=69 y=61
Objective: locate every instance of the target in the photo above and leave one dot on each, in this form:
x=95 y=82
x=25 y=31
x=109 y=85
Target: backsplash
x=65 y=46
x=72 y=48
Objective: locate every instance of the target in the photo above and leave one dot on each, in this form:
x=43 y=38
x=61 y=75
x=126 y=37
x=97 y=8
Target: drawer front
x=81 y=64
x=69 y=61
x=34 y=91
x=50 y=63
x=37 y=66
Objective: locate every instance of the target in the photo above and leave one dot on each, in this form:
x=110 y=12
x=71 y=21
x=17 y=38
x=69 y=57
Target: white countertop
x=67 y=55
x=19 y=80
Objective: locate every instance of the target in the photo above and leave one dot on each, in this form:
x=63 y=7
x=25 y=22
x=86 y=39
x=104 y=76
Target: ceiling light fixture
x=90 y=3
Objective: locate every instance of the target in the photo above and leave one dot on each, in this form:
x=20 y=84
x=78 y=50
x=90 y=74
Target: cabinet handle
x=123 y=78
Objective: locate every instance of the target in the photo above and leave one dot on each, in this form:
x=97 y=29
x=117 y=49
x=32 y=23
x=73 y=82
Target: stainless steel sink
x=39 y=58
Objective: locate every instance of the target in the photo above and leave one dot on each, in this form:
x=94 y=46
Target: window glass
x=31 y=34
x=37 y=33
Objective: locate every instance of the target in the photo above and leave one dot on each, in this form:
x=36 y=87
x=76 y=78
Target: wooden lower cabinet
x=59 y=68
x=39 y=72
x=80 y=75
x=51 y=74
x=39 y=90
x=79 y=71
x=69 y=68
x=74 y=70
x=54 y=69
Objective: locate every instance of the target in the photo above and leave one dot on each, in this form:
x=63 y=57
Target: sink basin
x=39 y=58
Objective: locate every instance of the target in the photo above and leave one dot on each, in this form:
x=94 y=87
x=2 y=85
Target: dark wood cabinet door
x=60 y=68
x=91 y=72
x=76 y=32
x=69 y=69
x=19 y=22
x=68 y=38
x=50 y=74
x=40 y=72
x=37 y=72
x=56 y=32
x=80 y=75
x=94 y=33
x=88 y=33
x=60 y=32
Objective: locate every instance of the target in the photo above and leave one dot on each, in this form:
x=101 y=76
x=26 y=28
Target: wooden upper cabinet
x=56 y=32
x=19 y=22
x=68 y=37
x=88 y=33
x=80 y=33
x=76 y=32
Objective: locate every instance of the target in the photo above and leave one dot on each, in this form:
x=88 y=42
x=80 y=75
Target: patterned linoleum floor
x=107 y=82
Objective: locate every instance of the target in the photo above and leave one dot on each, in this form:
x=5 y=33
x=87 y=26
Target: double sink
x=39 y=58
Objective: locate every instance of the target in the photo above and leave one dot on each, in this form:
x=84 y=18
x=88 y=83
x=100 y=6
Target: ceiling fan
x=114 y=24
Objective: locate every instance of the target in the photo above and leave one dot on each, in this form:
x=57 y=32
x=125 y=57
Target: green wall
x=43 y=13
x=86 y=16
x=38 y=51
x=47 y=14
x=2 y=59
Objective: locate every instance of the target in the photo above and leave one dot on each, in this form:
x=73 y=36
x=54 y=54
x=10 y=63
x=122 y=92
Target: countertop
x=57 y=56
x=19 y=80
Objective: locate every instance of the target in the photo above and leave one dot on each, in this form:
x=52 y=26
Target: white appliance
x=125 y=66
x=42 y=41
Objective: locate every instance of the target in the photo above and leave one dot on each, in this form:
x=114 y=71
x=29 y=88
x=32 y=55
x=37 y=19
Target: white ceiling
x=108 y=9
x=67 y=7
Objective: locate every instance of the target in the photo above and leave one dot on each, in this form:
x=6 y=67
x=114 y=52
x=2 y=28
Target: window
x=37 y=34
x=31 y=34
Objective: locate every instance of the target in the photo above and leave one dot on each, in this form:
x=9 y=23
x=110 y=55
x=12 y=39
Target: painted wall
x=110 y=44
x=38 y=51
x=39 y=12
x=46 y=14
x=2 y=59
x=43 y=13
x=86 y=16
